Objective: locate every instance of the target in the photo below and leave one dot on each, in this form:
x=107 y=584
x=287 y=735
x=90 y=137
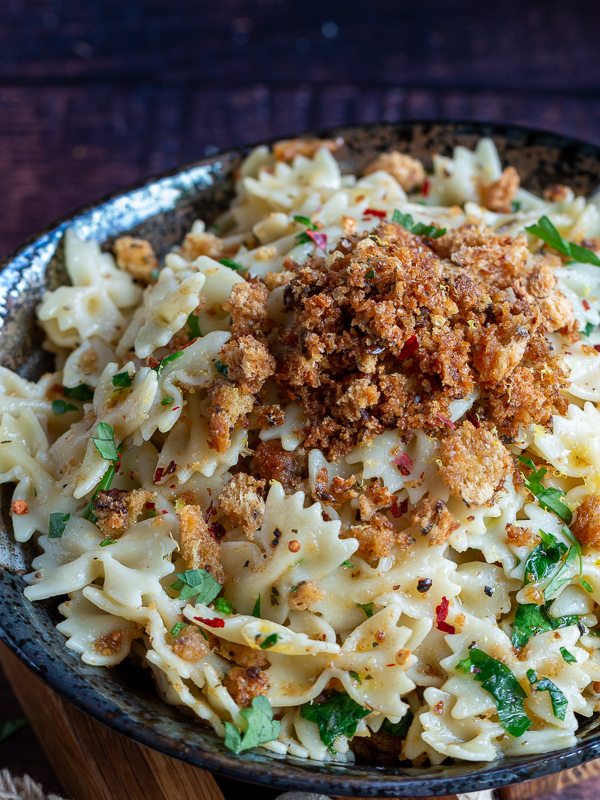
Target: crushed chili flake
x=597 y=348
x=164 y=511
x=410 y=347
x=404 y=463
x=472 y=419
x=446 y=421
x=425 y=188
x=150 y=505
x=212 y=623
x=210 y=510
x=372 y=212
x=441 y=612
x=20 y=507
x=320 y=239
x=162 y=472
x=217 y=530
x=585 y=304
x=399 y=510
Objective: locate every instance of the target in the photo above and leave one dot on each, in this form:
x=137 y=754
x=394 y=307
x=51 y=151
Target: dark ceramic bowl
x=162 y=210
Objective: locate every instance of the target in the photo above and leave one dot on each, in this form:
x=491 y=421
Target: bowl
x=162 y=210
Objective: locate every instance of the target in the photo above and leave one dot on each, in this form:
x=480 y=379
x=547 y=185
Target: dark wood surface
x=98 y=94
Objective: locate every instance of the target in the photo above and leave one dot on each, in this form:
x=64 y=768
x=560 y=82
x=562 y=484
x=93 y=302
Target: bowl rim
x=494 y=774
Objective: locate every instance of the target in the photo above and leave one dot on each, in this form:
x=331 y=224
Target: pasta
x=331 y=470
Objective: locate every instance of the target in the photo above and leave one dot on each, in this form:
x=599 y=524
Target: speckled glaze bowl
x=162 y=210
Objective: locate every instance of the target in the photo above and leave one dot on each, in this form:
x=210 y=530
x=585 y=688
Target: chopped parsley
x=547 y=498
x=417 y=228
x=515 y=206
x=194 y=326
x=497 y=679
x=367 y=608
x=588 y=328
x=167 y=401
x=82 y=392
x=261 y=727
x=339 y=715
x=269 y=642
x=398 y=728
x=544 y=559
x=227 y=262
x=221 y=368
x=196 y=583
x=10 y=726
x=167 y=360
x=347 y=564
x=370 y=273
x=58 y=523
x=224 y=606
x=559 y=702
x=105 y=442
x=103 y=486
x=586 y=585
x=531 y=619
x=177 y=628
x=122 y=380
x=304 y=238
x=354 y=675
x=256 y=609
x=61 y=407
x=107 y=541
x=546 y=231
x=568 y=657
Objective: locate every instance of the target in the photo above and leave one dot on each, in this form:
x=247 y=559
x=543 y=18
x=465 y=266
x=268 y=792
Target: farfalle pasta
x=330 y=470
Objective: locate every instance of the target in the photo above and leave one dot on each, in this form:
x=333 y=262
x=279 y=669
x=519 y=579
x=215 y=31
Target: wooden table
x=96 y=95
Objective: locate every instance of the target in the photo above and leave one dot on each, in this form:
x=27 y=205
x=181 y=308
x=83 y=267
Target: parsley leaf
x=515 y=206
x=568 y=657
x=560 y=704
x=305 y=221
x=58 y=523
x=227 y=262
x=224 y=606
x=105 y=442
x=167 y=360
x=269 y=642
x=82 y=392
x=354 y=675
x=194 y=326
x=167 y=401
x=196 y=583
x=338 y=715
x=103 y=486
x=370 y=273
x=256 y=609
x=122 y=380
x=586 y=585
x=544 y=559
x=177 y=628
x=262 y=728
x=367 y=608
x=531 y=619
x=107 y=541
x=547 y=498
x=417 y=228
x=221 y=368
x=398 y=728
x=546 y=231
x=588 y=328
x=10 y=726
x=558 y=581
x=496 y=678
x=347 y=564
x=61 y=407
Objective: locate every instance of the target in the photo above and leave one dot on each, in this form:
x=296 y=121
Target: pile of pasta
x=482 y=646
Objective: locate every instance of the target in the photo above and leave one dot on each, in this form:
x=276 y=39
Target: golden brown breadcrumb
x=116 y=510
x=586 y=526
x=305 y=595
x=200 y=549
x=249 y=362
x=229 y=405
x=433 y=520
x=247 y=305
x=522 y=536
x=498 y=196
x=245 y=684
x=191 y=644
x=136 y=256
x=408 y=171
x=242 y=501
x=242 y=655
x=288 y=467
x=288 y=149
x=377 y=538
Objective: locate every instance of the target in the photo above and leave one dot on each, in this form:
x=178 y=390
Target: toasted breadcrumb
x=288 y=149
x=249 y=361
x=586 y=526
x=271 y=417
x=109 y=644
x=242 y=501
x=474 y=461
x=201 y=244
x=340 y=490
x=274 y=280
x=377 y=538
x=288 y=467
x=190 y=644
x=433 y=520
x=199 y=547
x=305 y=595
x=135 y=256
x=245 y=684
x=117 y=510
x=375 y=497
x=408 y=171
x=228 y=406
x=247 y=305
x=521 y=537
x=242 y=654
x=498 y=196
x=557 y=193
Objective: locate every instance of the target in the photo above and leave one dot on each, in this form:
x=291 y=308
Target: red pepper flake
x=176 y=408
x=390 y=665
x=210 y=510
x=426 y=187
x=162 y=472
x=597 y=348
x=326 y=517
x=172 y=486
x=217 y=530
x=446 y=421
x=441 y=612
x=164 y=511
x=20 y=507
x=585 y=304
x=472 y=419
x=399 y=510
x=404 y=463
x=372 y=212
x=158 y=475
x=212 y=623
x=320 y=239
x=150 y=505
x=410 y=346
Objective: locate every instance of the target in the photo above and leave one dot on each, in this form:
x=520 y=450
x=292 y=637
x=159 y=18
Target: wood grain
x=93 y=762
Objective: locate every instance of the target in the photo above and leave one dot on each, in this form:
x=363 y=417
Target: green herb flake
x=167 y=360
x=256 y=609
x=464 y=665
x=417 y=228
x=594 y=632
x=167 y=401
x=354 y=675
x=10 y=726
x=269 y=642
x=560 y=704
x=61 y=407
x=339 y=715
x=224 y=606
x=194 y=326
x=531 y=619
x=497 y=679
x=196 y=583
x=103 y=486
x=515 y=206
x=227 y=262
x=546 y=231
x=586 y=585
x=398 y=728
x=347 y=564
x=305 y=221
x=261 y=727
x=588 y=328
x=568 y=657
x=547 y=498
x=367 y=608
x=177 y=628
x=370 y=273
x=544 y=559
x=82 y=392
x=151 y=514
x=122 y=380
x=221 y=368
x=58 y=523
x=107 y=541
x=105 y=442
